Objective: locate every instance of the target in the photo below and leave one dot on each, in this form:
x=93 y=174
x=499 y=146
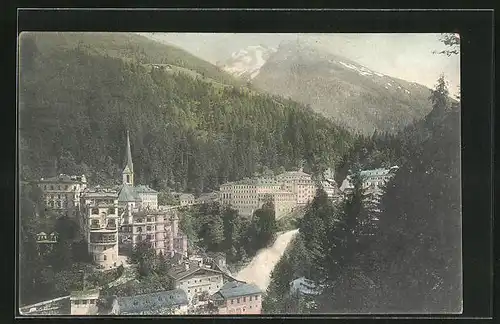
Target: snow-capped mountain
x=246 y=63
x=337 y=87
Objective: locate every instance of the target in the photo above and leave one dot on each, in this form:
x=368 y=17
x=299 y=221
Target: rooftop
x=237 y=288
x=179 y=271
x=127 y=193
x=144 y=189
x=64 y=178
x=85 y=293
x=152 y=301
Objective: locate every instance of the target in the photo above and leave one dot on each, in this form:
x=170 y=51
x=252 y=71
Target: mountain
x=246 y=63
x=336 y=87
x=191 y=127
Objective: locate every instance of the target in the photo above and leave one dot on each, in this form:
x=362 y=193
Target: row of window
x=245 y=299
x=58 y=204
x=95 y=211
x=85 y=302
x=58 y=187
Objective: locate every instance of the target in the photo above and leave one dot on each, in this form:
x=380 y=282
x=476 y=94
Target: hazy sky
x=405 y=56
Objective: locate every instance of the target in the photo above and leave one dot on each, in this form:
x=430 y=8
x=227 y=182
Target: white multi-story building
x=287 y=191
x=159 y=228
x=300 y=183
x=373 y=180
x=195 y=278
x=62 y=193
x=100 y=223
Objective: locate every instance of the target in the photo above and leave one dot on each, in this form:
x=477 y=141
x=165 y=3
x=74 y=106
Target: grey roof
x=144 y=189
x=63 y=178
x=85 y=293
x=127 y=193
x=179 y=271
x=151 y=302
x=237 y=288
x=186 y=196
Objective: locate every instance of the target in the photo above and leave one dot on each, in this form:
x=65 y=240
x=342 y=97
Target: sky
x=405 y=56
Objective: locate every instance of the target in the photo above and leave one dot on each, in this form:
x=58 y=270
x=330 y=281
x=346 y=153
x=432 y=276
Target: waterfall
x=258 y=271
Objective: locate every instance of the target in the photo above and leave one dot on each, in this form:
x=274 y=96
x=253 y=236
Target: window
x=244 y=299
x=149 y=219
x=257 y=297
x=237 y=300
x=128 y=178
x=92 y=301
x=111 y=210
x=76 y=302
x=139 y=229
x=136 y=303
x=95 y=211
x=84 y=302
x=148 y=228
x=232 y=301
x=51 y=187
x=189 y=290
x=105 y=257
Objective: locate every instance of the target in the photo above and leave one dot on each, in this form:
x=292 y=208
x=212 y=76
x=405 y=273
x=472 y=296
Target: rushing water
x=258 y=271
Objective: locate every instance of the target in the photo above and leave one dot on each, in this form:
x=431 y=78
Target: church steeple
x=128 y=171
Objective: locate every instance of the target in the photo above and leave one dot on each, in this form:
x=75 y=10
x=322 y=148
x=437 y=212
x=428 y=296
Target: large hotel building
x=116 y=218
x=287 y=191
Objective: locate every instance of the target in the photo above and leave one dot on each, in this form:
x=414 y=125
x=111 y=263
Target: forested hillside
x=400 y=256
x=78 y=96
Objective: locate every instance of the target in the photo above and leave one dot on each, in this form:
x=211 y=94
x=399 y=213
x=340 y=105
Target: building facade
x=300 y=183
x=195 y=278
x=238 y=297
x=160 y=228
x=100 y=223
x=186 y=199
x=287 y=191
x=84 y=302
x=62 y=193
x=373 y=180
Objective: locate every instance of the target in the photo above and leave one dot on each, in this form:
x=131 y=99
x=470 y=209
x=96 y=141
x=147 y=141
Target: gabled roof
x=144 y=189
x=237 y=289
x=152 y=301
x=127 y=193
x=179 y=271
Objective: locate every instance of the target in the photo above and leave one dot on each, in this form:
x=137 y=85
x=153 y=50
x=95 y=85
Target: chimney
x=186 y=265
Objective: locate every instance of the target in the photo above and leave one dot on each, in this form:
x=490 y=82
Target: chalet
x=238 y=298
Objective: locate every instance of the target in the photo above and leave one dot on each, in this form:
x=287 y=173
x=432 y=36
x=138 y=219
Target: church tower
x=128 y=171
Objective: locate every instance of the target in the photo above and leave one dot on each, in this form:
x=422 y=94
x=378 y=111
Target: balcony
x=104 y=242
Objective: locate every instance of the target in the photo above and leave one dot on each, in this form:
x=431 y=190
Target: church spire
x=128 y=157
x=128 y=171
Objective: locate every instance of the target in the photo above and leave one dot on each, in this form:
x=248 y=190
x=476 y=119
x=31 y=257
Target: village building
x=373 y=180
x=100 y=224
x=62 y=193
x=142 y=220
x=287 y=191
x=195 y=278
x=186 y=199
x=300 y=183
x=238 y=297
x=170 y=302
x=304 y=286
x=160 y=228
x=207 y=198
x=84 y=302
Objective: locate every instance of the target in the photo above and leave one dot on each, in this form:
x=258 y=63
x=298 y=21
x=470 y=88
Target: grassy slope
x=130 y=46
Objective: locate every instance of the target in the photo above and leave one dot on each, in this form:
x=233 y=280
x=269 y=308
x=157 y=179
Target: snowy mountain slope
x=354 y=95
